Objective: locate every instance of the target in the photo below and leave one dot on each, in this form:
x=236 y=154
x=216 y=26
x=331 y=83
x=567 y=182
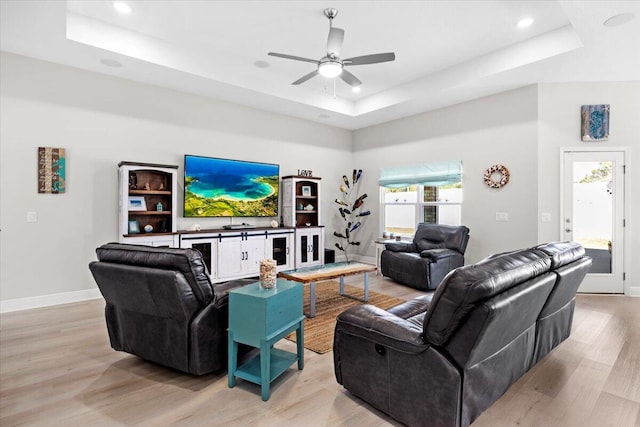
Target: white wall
x=500 y=129
x=101 y=121
x=559 y=127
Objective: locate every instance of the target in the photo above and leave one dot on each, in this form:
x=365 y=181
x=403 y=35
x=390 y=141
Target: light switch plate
x=546 y=217
x=502 y=216
x=32 y=216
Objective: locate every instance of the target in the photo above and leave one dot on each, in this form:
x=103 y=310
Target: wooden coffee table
x=312 y=275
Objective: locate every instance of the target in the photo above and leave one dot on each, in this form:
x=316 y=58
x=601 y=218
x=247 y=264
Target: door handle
x=568 y=230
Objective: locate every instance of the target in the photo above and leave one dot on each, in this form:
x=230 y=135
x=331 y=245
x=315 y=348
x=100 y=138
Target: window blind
x=430 y=174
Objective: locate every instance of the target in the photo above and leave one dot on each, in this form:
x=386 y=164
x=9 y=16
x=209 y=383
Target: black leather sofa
x=162 y=307
x=442 y=359
x=422 y=264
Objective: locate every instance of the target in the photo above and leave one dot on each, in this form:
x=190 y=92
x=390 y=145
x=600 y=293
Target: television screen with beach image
x=215 y=187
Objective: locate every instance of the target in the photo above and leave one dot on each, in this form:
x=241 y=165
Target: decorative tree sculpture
x=351 y=210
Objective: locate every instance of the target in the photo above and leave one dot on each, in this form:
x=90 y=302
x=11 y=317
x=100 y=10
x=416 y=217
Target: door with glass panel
x=593 y=214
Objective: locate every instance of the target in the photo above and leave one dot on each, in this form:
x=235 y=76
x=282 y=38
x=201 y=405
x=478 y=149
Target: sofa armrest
x=401 y=247
x=438 y=254
x=380 y=326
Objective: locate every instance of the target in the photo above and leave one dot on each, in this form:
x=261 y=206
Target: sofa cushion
x=562 y=253
x=466 y=286
x=188 y=261
x=438 y=254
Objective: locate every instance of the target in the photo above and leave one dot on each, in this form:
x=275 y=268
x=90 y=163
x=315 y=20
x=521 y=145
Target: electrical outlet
x=502 y=216
x=32 y=216
x=546 y=217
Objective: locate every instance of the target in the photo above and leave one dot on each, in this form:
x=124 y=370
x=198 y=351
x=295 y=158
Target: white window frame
x=418 y=206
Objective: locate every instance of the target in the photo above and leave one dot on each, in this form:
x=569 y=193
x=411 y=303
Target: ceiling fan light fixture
x=525 y=22
x=330 y=69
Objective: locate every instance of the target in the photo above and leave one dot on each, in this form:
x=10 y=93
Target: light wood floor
x=56 y=368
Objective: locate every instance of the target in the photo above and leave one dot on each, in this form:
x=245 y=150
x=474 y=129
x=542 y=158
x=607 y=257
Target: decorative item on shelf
x=300 y=207
x=308 y=208
x=134 y=227
x=159 y=207
x=305 y=172
x=268 y=273
x=497 y=176
x=195 y=227
x=133 y=181
x=350 y=210
x=164 y=225
x=137 y=203
x=148 y=228
x=161 y=187
x=306 y=191
x=281 y=221
x=147 y=186
x=308 y=224
x=274 y=223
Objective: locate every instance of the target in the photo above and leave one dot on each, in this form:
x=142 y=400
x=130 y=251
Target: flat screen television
x=216 y=187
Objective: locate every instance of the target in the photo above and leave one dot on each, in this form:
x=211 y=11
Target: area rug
x=318 y=332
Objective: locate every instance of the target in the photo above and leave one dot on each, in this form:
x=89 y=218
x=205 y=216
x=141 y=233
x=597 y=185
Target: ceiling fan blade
x=370 y=59
x=295 y=58
x=349 y=78
x=305 y=77
x=334 y=42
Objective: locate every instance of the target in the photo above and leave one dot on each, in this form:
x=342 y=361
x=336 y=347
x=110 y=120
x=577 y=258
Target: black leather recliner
x=422 y=264
x=440 y=360
x=162 y=307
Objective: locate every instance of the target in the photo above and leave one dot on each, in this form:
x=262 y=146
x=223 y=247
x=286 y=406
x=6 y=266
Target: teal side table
x=260 y=318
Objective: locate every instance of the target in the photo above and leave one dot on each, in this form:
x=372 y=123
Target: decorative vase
x=268 y=273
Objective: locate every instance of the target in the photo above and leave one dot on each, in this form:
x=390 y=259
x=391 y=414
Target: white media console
x=233 y=254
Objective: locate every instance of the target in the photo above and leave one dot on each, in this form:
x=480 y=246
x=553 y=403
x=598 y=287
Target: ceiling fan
x=331 y=65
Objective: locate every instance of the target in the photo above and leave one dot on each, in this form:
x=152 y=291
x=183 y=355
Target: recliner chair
x=422 y=264
x=162 y=306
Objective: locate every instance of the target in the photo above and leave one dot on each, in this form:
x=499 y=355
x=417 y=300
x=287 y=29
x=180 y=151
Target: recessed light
x=261 y=64
x=122 y=7
x=356 y=89
x=525 y=22
x=110 y=62
x=618 y=20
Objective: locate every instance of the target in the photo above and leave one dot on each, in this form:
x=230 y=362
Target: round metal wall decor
x=497 y=176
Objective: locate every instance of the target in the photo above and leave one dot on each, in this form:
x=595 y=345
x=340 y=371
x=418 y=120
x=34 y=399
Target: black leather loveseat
x=161 y=306
x=435 y=250
x=443 y=361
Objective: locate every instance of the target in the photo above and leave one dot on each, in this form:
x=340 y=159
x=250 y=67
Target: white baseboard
x=18 y=304
x=633 y=291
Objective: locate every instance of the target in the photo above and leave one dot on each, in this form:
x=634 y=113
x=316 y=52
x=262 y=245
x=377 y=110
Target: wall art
x=51 y=170
x=595 y=122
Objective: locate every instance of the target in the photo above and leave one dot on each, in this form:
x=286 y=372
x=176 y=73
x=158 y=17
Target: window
x=424 y=193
